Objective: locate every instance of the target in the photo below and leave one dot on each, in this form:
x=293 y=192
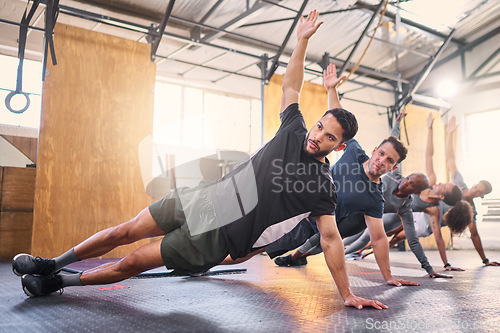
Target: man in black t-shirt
x=258 y=202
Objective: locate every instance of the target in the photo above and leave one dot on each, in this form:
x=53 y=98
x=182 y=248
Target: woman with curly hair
x=459 y=217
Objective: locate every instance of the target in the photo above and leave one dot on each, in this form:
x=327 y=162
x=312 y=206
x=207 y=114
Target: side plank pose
x=469 y=194
x=429 y=200
x=278 y=208
x=360 y=199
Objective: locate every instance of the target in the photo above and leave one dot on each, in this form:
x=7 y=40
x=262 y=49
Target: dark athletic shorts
x=180 y=250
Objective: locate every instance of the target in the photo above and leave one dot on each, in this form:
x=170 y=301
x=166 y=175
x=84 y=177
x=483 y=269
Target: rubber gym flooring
x=267 y=298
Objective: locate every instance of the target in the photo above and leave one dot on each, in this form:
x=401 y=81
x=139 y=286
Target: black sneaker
x=283 y=261
x=288 y=261
x=41 y=285
x=26 y=264
x=300 y=261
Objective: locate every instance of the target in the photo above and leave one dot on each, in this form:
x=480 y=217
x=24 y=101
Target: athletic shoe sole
x=14 y=259
x=26 y=291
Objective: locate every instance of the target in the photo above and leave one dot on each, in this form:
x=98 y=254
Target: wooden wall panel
x=313 y=104
x=97 y=106
x=416 y=125
x=18 y=189
x=15 y=233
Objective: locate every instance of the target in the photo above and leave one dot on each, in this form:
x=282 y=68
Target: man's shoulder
x=292 y=120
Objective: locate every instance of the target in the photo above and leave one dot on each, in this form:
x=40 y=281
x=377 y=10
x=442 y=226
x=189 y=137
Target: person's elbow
x=329 y=240
x=378 y=240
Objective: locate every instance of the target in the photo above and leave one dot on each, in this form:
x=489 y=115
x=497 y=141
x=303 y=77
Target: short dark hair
x=451 y=198
x=347 y=120
x=398 y=146
x=487 y=186
x=459 y=217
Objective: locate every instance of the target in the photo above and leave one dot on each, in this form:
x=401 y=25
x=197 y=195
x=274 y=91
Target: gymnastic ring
x=12 y=94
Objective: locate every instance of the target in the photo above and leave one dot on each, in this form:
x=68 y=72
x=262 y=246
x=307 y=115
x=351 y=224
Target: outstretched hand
x=437 y=275
x=451 y=268
x=399 y=282
x=308 y=27
x=359 y=302
x=330 y=79
x=430 y=120
x=400 y=116
x=492 y=263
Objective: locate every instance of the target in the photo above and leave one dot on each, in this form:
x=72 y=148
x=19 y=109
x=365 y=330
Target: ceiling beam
x=423 y=74
x=411 y=23
x=469 y=46
x=275 y=63
x=236 y=22
x=123 y=24
x=211 y=11
x=159 y=32
x=291 y=18
x=484 y=64
x=375 y=13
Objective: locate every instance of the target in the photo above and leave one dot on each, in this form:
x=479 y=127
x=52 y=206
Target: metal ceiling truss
x=157 y=34
x=461 y=52
x=275 y=63
x=484 y=64
x=154 y=35
x=468 y=46
x=375 y=14
x=123 y=24
x=422 y=76
x=291 y=18
x=411 y=23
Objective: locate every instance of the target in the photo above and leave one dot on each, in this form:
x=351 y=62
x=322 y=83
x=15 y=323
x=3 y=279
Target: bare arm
x=381 y=250
x=333 y=250
x=476 y=240
x=396 y=129
x=294 y=75
x=429 y=152
x=433 y=213
x=331 y=81
x=450 y=151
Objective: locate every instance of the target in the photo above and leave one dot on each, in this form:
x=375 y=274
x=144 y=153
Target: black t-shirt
x=290 y=186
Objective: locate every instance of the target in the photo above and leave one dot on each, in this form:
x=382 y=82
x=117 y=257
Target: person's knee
x=130 y=264
x=120 y=234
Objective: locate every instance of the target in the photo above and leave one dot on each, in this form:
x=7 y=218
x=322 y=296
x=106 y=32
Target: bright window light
x=446 y=88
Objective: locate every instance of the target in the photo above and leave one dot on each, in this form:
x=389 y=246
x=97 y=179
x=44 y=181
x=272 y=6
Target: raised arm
x=381 y=250
x=396 y=129
x=450 y=151
x=294 y=75
x=331 y=81
x=429 y=152
x=333 y=250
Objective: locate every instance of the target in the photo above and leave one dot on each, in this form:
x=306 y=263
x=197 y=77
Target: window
x=32 y=84
x=190 y=123
x=479 y=157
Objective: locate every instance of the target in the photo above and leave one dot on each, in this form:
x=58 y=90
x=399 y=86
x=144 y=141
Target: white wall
x=10 y=156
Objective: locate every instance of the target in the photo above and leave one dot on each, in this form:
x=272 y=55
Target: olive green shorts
x=179 y=249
